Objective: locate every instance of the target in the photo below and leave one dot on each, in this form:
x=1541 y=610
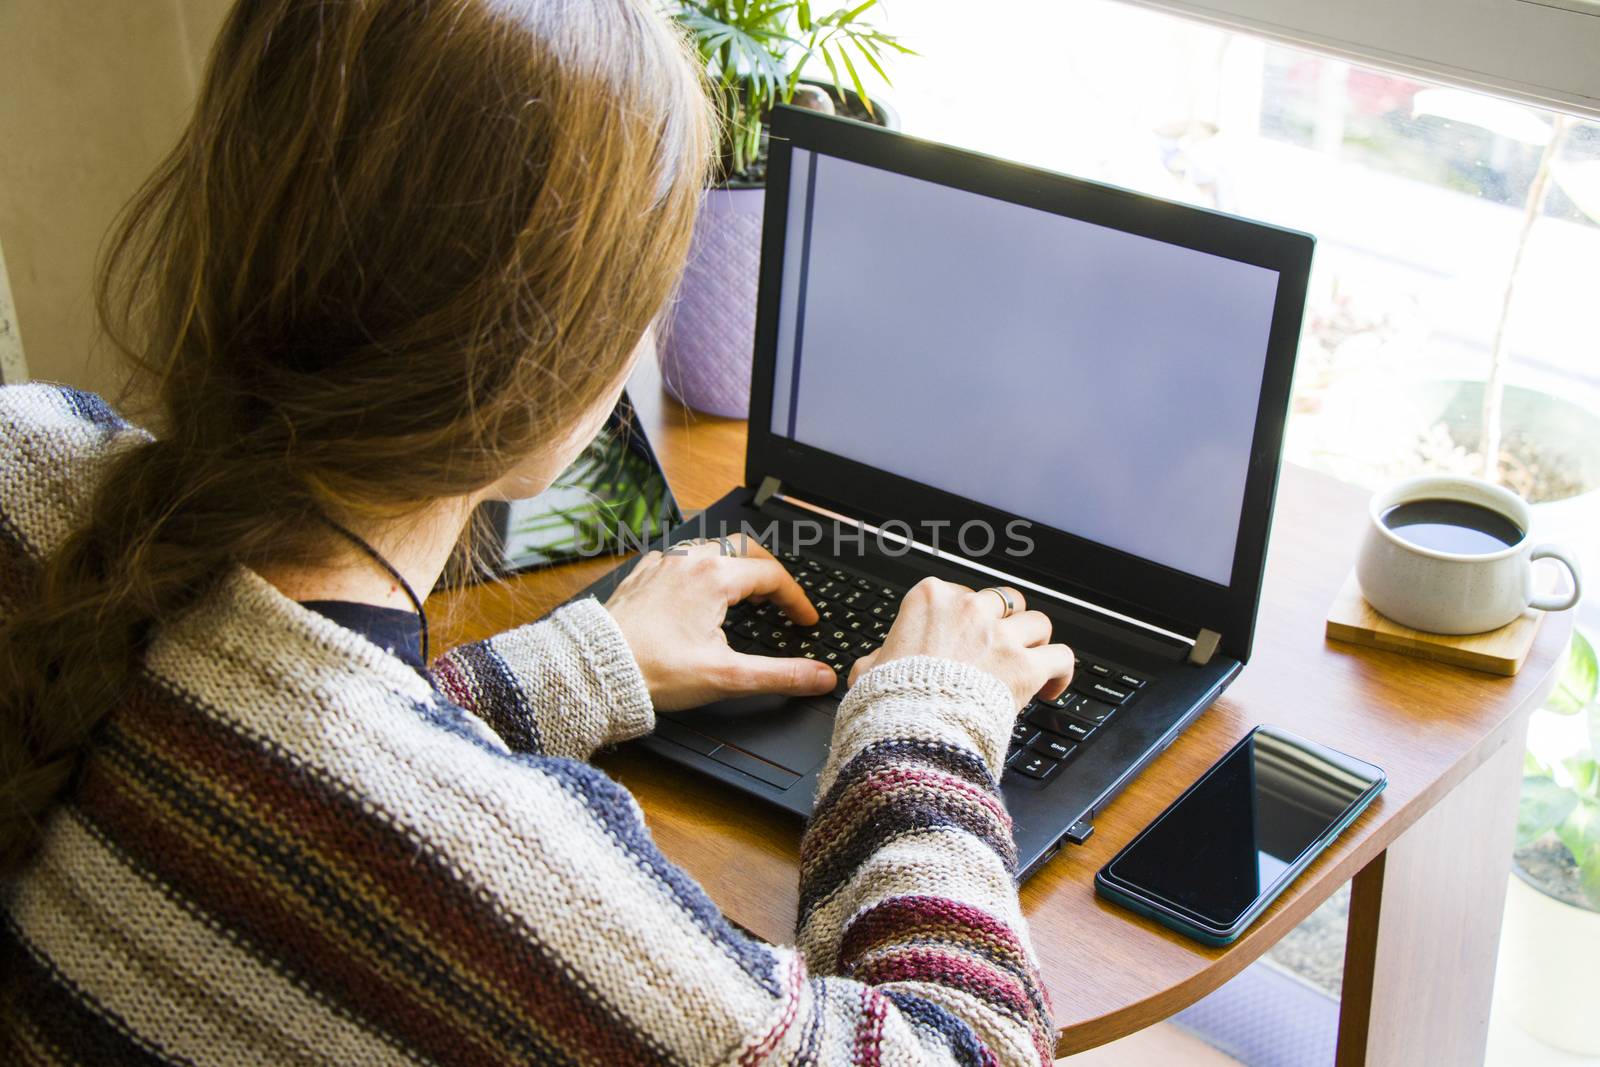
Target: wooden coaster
x=1497 y=652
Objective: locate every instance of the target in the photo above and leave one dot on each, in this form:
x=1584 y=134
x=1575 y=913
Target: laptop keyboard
x=855 y=612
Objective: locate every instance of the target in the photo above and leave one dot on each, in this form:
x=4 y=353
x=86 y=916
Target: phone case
x=1130 y=897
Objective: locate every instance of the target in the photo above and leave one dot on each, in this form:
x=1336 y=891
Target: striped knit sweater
x=284 y=846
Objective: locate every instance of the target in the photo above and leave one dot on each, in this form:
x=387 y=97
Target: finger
x=1056 y=663
x=744 y=545
x=695 y=547
x=862 y=666
x=742 y=675
x=756 y=577
x=733 y=545
x=995 y=596
x=1032 y=628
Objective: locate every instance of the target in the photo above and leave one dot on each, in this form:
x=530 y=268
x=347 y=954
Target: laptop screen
x=1092 y=380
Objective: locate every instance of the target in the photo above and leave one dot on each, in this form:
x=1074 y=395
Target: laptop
x=991 y=373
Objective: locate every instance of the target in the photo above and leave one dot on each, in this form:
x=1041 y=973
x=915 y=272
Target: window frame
x=1542 y=52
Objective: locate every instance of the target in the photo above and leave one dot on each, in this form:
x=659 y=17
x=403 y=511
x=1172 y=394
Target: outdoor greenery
x=757 y=51
x=1564 y=798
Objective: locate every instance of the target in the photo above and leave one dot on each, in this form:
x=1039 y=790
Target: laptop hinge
x=1205 y=645
x=769 y=488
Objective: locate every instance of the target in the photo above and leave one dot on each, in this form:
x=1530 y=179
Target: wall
x=91 y=95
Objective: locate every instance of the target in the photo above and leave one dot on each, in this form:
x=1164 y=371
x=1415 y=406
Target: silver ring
x=727 y=546
x=1008 y=607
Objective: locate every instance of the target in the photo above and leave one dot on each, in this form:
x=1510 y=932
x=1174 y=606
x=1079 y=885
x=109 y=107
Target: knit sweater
x=284 y=846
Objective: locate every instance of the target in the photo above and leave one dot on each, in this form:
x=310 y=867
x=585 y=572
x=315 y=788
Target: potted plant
x=758 y=54
x=1552 y=930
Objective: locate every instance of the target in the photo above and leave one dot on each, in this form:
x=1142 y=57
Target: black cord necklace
x=377 y=557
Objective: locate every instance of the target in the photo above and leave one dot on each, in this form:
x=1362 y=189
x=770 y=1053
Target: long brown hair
x=400 y=246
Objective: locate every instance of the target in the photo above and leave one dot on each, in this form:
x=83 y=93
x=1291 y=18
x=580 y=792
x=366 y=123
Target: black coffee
x=1453 y=526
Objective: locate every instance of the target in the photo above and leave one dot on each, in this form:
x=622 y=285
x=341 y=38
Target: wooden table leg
x=1425 y=927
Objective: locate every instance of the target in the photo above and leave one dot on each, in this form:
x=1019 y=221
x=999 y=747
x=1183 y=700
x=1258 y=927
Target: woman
x=399 y=263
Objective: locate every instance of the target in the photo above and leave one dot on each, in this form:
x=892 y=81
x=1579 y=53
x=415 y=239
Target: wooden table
x=1429 y=860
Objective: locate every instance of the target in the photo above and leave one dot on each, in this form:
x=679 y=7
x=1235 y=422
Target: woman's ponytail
x=160 y=532
x=400 y=247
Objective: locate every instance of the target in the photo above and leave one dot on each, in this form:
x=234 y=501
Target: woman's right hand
x=953 y=621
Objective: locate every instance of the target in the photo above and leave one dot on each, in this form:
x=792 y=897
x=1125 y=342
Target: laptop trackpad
x=792 y=733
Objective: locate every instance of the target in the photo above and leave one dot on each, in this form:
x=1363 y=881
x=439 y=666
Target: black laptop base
x=774 y=747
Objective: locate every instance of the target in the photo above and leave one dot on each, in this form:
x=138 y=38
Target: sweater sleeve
x=560 y=912
x=565 y=686
x=911 y=939
x=374 y=883
x=908 y=867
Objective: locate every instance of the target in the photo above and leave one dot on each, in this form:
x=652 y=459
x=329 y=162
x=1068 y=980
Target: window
x=1540 y=51
x=1418 y=194
x=1457 y=233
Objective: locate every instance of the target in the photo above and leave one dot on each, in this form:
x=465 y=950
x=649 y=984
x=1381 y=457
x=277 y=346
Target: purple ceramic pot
x=709 y=334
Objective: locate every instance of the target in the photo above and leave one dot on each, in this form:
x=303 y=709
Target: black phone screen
x=1234 y=835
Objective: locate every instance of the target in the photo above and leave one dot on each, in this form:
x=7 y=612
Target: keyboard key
x=1058 y=722
x=889 y=593
x=1033 y=764
x=863 y=584
x=814 y=566
x=840 y=575
x=882 y=611
x=1093 y=687
x=1077 y=731
x=1022 y=734
x=1132 y=681
x=1063 y=701
x=1099 y=669
x=1091 y=710
x=857 y=599
x=1057 y=748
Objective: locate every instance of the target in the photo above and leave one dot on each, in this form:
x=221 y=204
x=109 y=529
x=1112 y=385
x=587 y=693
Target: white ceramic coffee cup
x=1450 y=592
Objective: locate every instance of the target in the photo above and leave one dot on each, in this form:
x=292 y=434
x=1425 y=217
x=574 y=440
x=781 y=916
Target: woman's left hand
x=671 y=608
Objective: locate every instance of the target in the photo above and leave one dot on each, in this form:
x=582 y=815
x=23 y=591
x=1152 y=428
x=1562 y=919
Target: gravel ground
x=1314 y=950
x=1549 y=867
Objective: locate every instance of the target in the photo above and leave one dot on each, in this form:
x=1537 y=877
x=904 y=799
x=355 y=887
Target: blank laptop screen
x=1088 y=379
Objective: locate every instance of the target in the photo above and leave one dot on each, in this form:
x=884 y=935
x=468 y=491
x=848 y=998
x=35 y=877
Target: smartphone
x=1224 y=850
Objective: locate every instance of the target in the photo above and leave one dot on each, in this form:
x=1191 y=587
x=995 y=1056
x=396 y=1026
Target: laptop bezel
x=1117 y=580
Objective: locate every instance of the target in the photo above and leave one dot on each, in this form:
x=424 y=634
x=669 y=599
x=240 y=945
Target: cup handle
x=1557 y=601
